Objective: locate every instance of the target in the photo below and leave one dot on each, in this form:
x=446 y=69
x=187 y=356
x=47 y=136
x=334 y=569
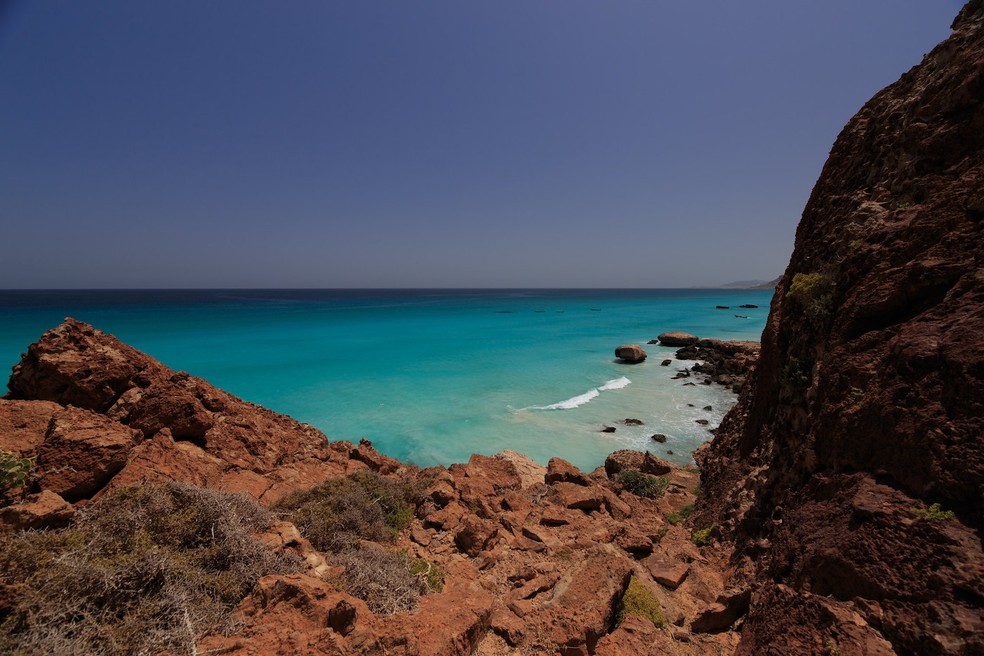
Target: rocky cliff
x=866 y=407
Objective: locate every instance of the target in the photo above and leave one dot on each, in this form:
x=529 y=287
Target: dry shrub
x=145 y=570
x=339 y=514
x=336 y=515
x=382 y=579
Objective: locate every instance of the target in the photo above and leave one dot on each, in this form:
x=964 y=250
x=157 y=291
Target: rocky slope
x=867 y=402
x=536 y=559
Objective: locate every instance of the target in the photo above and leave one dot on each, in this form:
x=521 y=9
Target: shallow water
x=430 y=376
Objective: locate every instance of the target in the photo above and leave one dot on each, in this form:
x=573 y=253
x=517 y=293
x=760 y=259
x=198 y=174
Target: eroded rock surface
x=867 y=404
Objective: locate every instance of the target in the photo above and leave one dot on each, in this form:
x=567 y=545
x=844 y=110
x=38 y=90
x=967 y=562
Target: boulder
x=561 y=471
x=630 y=353
x=677 y=338
x=82 y=451
x=659 y=437
x=38 y=511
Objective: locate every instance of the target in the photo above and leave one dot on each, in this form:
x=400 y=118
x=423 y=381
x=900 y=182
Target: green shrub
x=336 y=515
x=642 y=485
x=934 y=512
x=431 y=573
x=13 y=470
x=144 y=571
x=681 y=515
x=703 y=536
x=639 y=600
x=813 y=292
x=797 y=373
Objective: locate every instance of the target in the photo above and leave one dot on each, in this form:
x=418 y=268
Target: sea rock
x=677 y=338
x=658 y=437
x=632 y=422
x=665 y=363
x=630 y=353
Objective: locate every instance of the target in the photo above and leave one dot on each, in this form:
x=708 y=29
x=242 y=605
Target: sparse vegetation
x=382 y=579
x=797 y=373
x=144 y=571
x=336 y=515
x=339 y=514
x=933 y=513
x=702 y=537
x=13 y=470
x=832 y=649
x=681 y=515
x=813 y=292
x=642 y=485
x=431 y=573
x=639 y=600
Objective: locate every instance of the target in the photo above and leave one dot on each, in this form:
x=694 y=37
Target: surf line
x=581 y=399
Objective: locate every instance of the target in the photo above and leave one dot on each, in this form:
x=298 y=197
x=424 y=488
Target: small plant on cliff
x=702 y=537
x=642 y=485
x=681 y=515
x=796 y=374
x=934 y=512
x=144 y=571
x=13 y=470
x=813 y=292
x=430 y=573
x=640 y=601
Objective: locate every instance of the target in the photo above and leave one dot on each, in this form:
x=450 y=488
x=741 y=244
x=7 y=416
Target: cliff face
x=867 y=402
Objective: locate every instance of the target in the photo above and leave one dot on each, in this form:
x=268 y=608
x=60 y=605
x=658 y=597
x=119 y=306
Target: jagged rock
x=81 y=452
x=630 y=353
x=676 y=338
x=474 y=535
x=561 y=471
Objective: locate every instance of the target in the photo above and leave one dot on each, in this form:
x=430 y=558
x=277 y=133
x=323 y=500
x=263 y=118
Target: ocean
x=430 y=376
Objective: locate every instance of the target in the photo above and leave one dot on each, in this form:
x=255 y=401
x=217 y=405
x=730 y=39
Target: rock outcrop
x=102 y=414
x=866 y=407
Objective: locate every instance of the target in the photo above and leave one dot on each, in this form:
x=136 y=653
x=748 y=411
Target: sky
x=371 y=143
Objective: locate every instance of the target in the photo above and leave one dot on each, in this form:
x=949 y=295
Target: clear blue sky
x=426 y=144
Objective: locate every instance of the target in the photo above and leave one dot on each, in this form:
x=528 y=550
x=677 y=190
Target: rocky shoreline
x=534 y=559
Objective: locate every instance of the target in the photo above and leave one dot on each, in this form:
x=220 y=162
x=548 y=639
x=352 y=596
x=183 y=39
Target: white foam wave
x=581 y=399
x=617 y=383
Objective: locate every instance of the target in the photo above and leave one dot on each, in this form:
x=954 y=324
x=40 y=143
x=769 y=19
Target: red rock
x=668 y=574
x=23 y=425
x=474 y=535
x=44 y=510
x=578 y=497
x=81 y=452
x=561 y=471
x=202 y=435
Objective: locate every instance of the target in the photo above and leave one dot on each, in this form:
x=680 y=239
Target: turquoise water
x=429 y=376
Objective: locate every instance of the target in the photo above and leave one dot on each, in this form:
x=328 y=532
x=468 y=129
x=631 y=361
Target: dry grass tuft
x=144 y=571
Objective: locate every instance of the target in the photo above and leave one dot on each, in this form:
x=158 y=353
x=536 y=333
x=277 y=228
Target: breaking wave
x=581 y=399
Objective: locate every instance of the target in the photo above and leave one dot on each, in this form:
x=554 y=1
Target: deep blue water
x=430 y=376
